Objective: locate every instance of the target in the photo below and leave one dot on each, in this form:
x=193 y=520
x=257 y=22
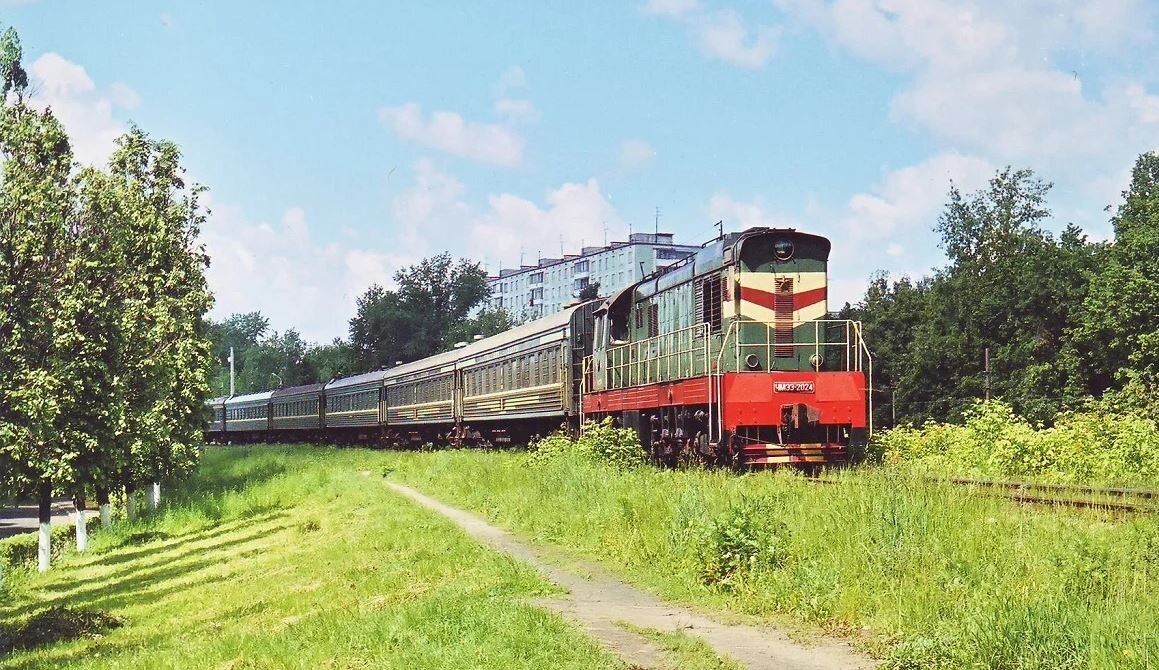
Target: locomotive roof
x=299 y=390
x=249 y=397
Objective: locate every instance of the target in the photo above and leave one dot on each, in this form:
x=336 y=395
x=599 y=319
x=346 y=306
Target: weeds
x=925 y=575
x=1093 y=446
x=601 y=442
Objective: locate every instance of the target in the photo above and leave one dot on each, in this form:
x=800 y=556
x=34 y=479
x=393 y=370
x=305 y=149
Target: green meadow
x=923 y=575
x=299 y=557
x=286 y=558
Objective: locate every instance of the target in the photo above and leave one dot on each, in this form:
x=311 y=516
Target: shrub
x=601 y=442
x=21 y=551
x=1096 y=444
x=746 y=538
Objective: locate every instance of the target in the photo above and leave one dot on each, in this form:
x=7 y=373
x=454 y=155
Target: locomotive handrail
x=855 y=351
x=680 y=354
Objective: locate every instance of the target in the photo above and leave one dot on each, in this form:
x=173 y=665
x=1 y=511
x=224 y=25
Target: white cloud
x=722 y=35
x=911 y=197
x=512 y=78
x=494 y=144
x=434 y=215
x=982 y=75
x=282 y=271
x=740 y=214
x=516 y=109
x=894 y=249
x=674 y=8
x=635 y=154
x=90 y=115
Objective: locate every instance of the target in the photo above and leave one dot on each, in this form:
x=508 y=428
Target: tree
x=416 y=319
x=589 y=292
x=1009 y=287
x=489 y=321
x=37 y=196
x=277 y=361
x=168 y=353
x=324 y=362
x=1115 y=337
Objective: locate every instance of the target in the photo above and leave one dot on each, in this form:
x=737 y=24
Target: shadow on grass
x=54 y=625
x=217 y=483
x=132 y=585
x=252 y=517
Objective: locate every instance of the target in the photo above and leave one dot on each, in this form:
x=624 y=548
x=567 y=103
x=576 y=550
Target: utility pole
x=893 y=404
x=231 y=387
x=987 y=364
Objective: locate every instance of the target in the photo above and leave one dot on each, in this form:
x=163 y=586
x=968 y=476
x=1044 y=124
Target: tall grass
x=927 y=576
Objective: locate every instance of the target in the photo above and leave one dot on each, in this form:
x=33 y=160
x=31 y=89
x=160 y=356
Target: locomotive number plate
x=794 y=387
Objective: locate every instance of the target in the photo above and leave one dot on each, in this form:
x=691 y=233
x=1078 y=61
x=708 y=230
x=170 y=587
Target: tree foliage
x=103 y=351
x=1009 y=286
x=422 y=316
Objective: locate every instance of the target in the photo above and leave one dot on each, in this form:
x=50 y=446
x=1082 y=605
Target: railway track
x=1111 y=499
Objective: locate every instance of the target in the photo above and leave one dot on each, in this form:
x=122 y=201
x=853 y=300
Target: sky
x=342 y=141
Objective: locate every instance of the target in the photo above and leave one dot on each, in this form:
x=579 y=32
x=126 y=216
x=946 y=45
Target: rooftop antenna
x=656 y=230
x=605 y=232
x=720 y=227
x=521 y=255
x=561 y=246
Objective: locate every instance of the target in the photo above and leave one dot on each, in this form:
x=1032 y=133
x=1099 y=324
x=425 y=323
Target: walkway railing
x=680 y=354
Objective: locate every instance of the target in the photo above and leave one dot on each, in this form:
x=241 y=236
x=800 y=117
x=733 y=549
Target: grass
x=287 y=558
x=684 y=651
x=926 y=576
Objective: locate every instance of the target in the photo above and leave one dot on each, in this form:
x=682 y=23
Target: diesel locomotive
x=727 y=356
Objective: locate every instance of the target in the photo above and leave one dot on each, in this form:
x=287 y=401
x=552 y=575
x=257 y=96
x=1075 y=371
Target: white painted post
x=44 y=549
x=82 y=531
x=153 y=496
x=106 y=516
x=44 y=545
x=130 y=505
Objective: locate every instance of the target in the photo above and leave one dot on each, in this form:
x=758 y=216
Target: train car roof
x=250 y=397
x=299 y=390
x=530 y=329
x=522 y=332
x=364 y=378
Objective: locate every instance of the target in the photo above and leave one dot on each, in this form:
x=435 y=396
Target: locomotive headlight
x=816 y=360
x=752 y=361
x=783 y=249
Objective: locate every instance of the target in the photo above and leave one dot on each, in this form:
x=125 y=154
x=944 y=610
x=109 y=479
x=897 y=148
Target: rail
x=1134 y=501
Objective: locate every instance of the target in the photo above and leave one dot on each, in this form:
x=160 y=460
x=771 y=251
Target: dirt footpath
x=599 y=605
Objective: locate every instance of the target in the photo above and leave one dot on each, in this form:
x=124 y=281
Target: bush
x=1097 y=445
x=746 y=538
x=601 y=442
x=21 y=551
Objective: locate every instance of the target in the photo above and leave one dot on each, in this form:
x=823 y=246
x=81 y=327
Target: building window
x=580 y=266
x=536 y=278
